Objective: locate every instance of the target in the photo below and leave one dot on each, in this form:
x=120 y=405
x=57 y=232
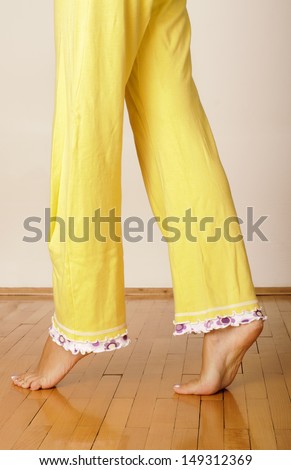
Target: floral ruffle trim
x=85 y=347
x=235 y=319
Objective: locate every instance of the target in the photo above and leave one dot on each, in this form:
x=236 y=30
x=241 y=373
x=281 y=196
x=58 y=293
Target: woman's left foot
x=54 y=364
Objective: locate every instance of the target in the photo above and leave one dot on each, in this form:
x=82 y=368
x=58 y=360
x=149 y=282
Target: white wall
x=242 y=68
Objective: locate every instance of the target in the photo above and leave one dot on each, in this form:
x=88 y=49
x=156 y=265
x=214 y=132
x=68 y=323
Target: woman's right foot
x=223 y=351
x=54 y=364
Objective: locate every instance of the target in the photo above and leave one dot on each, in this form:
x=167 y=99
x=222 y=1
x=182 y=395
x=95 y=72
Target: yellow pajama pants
x=111 y=52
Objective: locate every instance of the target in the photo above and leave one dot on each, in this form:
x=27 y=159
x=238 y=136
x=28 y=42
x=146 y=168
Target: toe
x=17 y=378
x=17 y=381
x=26 y=384
x=23 y=380
x=195 y=388
x=29 y=380
x=35 y=385
x=182 y=389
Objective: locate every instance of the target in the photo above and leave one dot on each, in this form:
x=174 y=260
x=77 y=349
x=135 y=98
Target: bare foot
x=54 y=364
x=223 y=351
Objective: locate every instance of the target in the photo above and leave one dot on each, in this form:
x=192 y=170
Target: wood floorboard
x=125 y=400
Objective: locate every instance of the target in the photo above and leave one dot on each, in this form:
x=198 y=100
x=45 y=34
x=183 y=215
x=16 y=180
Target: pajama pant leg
x=96 y=42
x=182 y=171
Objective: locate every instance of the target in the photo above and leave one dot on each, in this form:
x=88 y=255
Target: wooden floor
x=124 y=400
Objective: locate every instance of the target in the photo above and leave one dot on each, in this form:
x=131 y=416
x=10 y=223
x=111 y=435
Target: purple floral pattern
x=85 y=347
x=235 y=319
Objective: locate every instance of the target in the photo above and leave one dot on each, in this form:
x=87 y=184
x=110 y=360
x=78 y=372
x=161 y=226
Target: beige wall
x=242 y=68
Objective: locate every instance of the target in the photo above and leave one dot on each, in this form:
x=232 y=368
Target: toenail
x=177 y=385
x=13 y=377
